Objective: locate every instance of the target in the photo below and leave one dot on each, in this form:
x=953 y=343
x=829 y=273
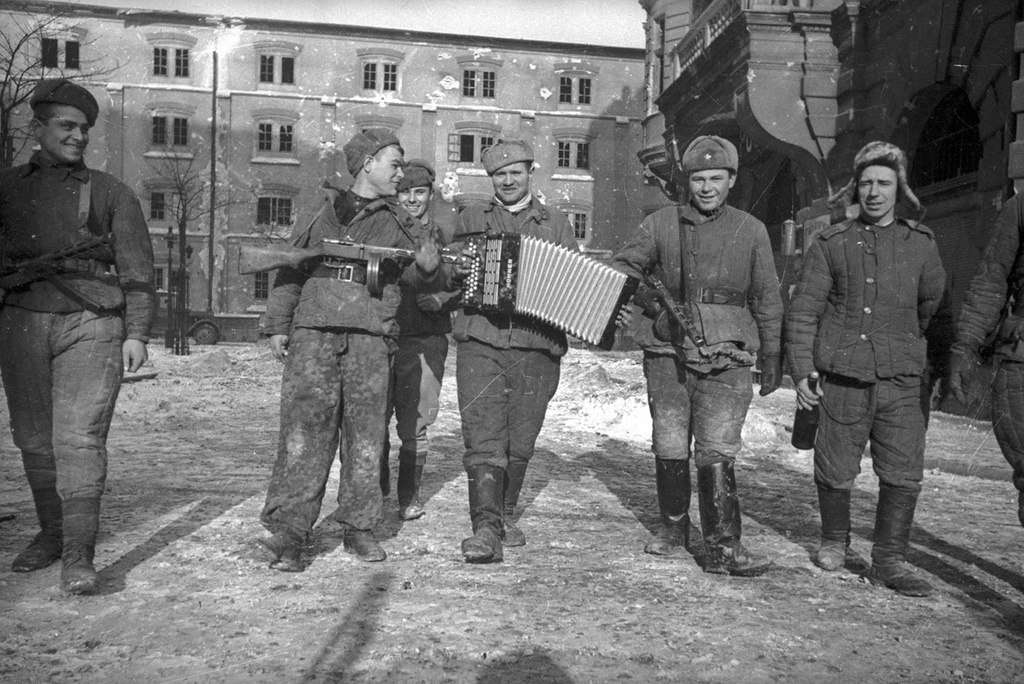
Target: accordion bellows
x=521 y=274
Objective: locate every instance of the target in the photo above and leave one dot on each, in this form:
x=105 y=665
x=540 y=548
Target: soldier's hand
x=134 y=354
x=428 y=256
x=771 y=374
x=963 y=363
x=430 y=303
x=279 y=347
x=624 y=318
x=806 y=398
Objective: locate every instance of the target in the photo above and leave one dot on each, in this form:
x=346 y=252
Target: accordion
x=513 y=273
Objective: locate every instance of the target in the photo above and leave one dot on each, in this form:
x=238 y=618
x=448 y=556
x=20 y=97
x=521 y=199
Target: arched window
x=949 y=145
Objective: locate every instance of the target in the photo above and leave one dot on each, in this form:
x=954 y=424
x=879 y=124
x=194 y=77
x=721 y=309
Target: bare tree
x=29 y=51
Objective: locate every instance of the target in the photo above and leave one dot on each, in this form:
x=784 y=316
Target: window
x=275 y=136
x=157 y=206
x=159 y=61
x=477 y=81
x=950 y=142
x=266 y=68
x=158 y=278
x=51 y=53
x=179 y=131
x=275 y=62
x=572 y=154
x=288 y=70
x=380 y=76
x=580 y=222
x=261 y=285
x=274 y=211
x=575 y=83
x=467 y=147
x=181 y=62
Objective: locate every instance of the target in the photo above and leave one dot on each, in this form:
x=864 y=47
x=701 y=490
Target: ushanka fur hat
x=877 y=153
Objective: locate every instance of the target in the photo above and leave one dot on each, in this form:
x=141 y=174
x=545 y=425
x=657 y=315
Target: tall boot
x=893 y=520
x=673 y=483
x=720 y=523
x=834 y=505
x=485 y=510
x=514 y=476
x=45 y=549
x=409 y=476
x=363 y=545
x=81 y=523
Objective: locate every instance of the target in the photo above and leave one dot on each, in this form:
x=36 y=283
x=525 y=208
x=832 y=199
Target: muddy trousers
x=1008 y=416
x=332 y=380
x=62 y=374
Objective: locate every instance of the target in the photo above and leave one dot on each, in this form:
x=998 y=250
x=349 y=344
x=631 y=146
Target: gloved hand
x=430 y=303
x=646 y=300
x=963 y=363
x=771 y=374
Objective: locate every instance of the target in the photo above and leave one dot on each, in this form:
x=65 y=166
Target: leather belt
x=349 y=272
x=721 y=295
x=89 y=266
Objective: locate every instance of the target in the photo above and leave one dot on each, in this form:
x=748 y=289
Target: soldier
x=336 y=339
x=867 y=292
x=998 y=286
x=718 y=262
x=424 y=321
x=65 y=339
x=508 y=364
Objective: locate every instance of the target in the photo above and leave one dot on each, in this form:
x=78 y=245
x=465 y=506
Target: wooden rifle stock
x=50 y=263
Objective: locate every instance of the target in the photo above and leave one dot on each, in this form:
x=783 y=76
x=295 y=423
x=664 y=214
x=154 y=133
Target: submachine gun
x=50 y=264
x=381 y=262
x=673 y=324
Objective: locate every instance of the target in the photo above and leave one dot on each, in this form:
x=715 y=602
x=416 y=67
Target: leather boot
x=512 y=535
x=45 y=549
x=834 y=505
x=673 y=483
x=485 y=510
x=893 y=520
x=81 y=523
x=385 y=469
x=363 y=545
x=409 y=476
x=286 y=549
x=720 y=523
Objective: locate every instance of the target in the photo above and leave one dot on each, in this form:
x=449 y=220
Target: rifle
x=256 y=258
x=678 y=320
x=50 y=263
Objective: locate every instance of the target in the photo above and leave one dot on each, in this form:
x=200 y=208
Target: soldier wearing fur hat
x=508 y=364
x=424 y=321
x=336 y=338
x=868 y=289
x=717 y=261
x=66 y=338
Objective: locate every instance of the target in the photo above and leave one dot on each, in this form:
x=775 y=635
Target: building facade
x=801 y=85
x=228 y=128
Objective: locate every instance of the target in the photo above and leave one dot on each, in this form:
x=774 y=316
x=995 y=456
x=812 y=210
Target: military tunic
x=337 y=371
x=61 y=338
x=733 y=290
x=507 y=368
x=858 y=316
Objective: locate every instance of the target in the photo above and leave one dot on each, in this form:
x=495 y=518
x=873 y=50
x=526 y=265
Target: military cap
x=710 y=152
x=61 y=91
x=505 y=152
x=366 y=144
x=418 y=174
x=877 y=153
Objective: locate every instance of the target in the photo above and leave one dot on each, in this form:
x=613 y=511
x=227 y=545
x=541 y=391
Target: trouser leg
x=1008 y=422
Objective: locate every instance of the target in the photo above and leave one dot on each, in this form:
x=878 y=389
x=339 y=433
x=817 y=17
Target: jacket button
x=863 y=337
x=869 y=280
x=867 y=309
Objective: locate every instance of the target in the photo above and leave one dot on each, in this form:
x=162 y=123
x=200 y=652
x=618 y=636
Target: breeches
x=709 y=407
x=1008 y=414
x=332 y=380
x=503 y=396
x=418 y=371
x=888 y=413
x=62 y=373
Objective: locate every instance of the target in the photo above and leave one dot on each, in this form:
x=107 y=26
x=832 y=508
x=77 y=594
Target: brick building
x=801 y=85
x=257 y=110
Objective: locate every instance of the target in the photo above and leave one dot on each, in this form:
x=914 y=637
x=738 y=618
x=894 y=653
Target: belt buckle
x=345 y=272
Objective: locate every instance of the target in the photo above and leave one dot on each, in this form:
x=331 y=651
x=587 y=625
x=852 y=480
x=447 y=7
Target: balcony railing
x=715 y=18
